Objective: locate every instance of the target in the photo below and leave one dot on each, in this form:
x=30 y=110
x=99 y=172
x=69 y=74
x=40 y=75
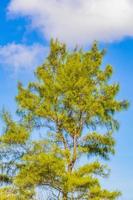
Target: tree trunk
x=71 y=164
x=64 y=196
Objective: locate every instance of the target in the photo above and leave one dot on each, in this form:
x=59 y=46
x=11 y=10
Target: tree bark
x=64 y=196
x=74 y=157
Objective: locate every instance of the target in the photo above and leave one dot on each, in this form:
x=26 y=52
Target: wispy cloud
x=78 y=21
x=20 y=56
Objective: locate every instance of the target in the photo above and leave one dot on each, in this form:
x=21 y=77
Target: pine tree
x=73 y=105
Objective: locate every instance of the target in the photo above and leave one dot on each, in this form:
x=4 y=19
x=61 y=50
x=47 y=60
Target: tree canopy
x=72 y=105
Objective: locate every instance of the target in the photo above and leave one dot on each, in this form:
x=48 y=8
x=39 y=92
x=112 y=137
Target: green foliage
x=71 y=96
x=98 y=144
x=15 y=133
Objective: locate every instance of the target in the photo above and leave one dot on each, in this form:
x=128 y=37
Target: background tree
x=73 y=105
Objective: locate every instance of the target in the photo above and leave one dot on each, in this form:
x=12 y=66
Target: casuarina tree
x=72 y=105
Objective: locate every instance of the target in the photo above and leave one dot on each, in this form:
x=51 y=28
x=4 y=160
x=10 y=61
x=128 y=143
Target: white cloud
x=78 y=21
x=20 y=56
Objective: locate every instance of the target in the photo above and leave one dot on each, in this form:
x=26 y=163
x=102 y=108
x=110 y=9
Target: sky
x=26 y=26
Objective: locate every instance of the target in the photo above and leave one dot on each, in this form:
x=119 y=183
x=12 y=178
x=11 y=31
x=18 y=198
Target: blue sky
x=25 y=29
